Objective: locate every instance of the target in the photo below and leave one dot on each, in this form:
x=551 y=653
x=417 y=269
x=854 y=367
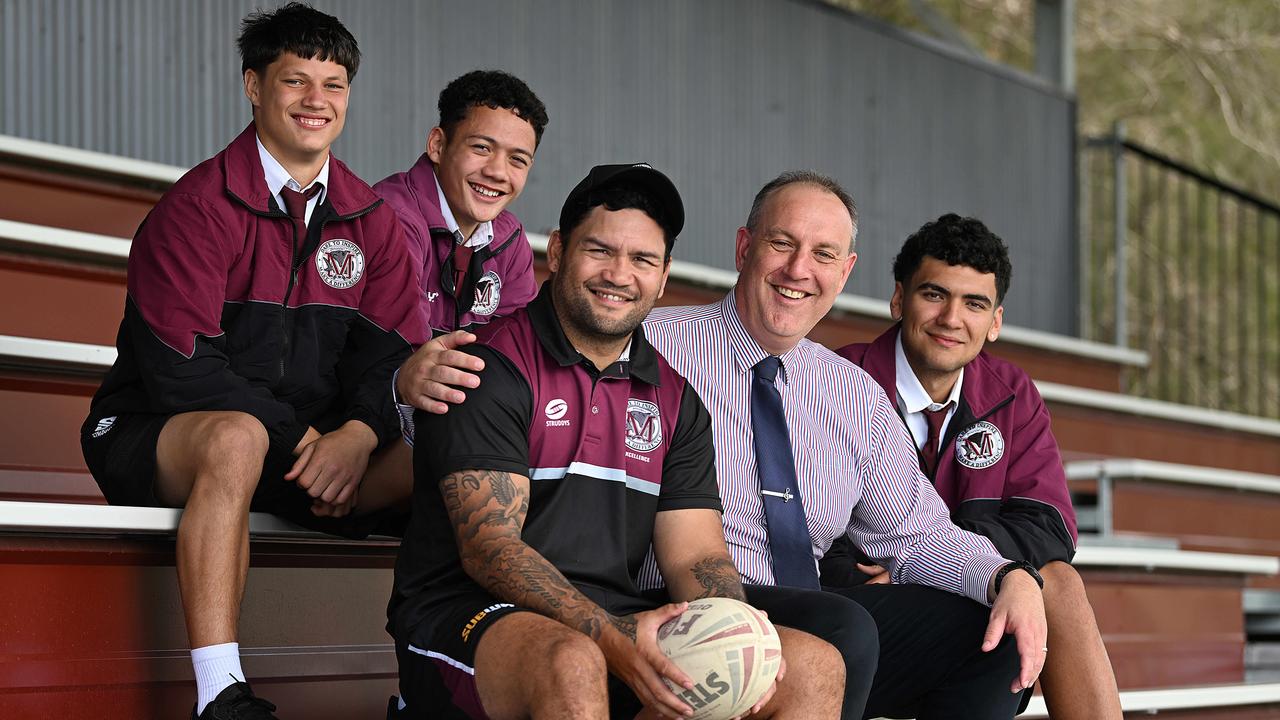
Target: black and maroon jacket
x=499 y=279
x=999 y=469
x=228 y=310
x=604 y=451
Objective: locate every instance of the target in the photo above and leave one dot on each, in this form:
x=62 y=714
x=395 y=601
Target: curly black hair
x=493 y=89
x=299 y=29
x=956 y=240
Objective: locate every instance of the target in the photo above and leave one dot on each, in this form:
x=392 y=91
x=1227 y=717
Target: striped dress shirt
x=856 y=466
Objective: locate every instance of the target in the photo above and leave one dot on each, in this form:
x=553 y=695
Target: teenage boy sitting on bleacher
x=984 y=439
x=266 y=313
x=474 y=259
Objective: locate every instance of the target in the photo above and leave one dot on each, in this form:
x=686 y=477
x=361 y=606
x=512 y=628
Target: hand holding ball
x=729 y=649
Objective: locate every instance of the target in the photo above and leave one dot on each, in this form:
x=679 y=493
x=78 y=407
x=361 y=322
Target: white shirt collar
x=911 y=394
x=277 y=177
x=484 y=231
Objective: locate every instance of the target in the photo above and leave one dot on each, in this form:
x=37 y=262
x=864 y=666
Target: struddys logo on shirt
x=981 y=446
x=488 y=294
x=644 y=425
x=339 y=263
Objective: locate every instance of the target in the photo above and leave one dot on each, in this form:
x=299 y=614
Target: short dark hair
x=956 y=240
x=808 y=177
x=299 y=29
x=619 y=196
x=493 y=89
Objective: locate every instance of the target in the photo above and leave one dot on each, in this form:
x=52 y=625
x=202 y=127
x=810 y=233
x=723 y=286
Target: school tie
x=789 y=541
x=929 y=453
x=461 y=267
x=295 y=203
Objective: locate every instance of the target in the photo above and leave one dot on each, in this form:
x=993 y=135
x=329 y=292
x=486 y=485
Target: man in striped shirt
x=856 y=472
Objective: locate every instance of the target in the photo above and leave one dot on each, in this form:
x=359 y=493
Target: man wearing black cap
x=537 y=502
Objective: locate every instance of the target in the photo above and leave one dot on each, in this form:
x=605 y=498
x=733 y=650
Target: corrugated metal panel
x=721 y=94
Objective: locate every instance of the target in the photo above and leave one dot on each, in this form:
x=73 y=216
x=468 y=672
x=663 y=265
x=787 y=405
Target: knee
x=233 y=444
x=571 y=665
x=1063 y=589
x=854 y=638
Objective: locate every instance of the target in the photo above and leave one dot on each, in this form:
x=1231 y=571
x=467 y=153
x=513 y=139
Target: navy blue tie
x=789 y=541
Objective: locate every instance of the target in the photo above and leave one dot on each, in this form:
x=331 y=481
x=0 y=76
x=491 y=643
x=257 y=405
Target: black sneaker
x=393 y=709
x=236 y=702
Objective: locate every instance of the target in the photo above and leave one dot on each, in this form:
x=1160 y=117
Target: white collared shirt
x=913 y=400
x=277 y=177
x=483 y=234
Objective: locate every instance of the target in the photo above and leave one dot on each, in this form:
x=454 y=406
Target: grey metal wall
x=721 y=94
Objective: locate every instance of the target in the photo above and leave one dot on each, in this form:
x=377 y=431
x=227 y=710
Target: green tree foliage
x=1196 y=80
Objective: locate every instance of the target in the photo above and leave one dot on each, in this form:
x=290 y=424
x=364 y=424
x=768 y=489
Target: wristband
x=1018 y=565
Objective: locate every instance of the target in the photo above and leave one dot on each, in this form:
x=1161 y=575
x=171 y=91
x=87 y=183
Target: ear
x=435 y=144
x=252 y=87
x=742 y=243
x=994 y=332
x=895 y=304
x=555 y=248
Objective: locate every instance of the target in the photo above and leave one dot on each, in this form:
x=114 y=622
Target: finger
x=871 y=569
x=667 y=702
x=332 y=490
x=1031 y=652
x=782 y=670
x=455 y=339
x=431 y=391
x=995 y=631
x=347 y=495
x=298 y=465
x=449 y=375
x=459 y=360
x=315 y=480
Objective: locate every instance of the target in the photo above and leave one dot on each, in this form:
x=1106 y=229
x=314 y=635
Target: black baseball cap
x=641 y=176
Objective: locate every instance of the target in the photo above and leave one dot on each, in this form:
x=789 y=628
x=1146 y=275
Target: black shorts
x=120 y=453
x=437 y=660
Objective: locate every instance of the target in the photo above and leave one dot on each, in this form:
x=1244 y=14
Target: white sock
x=217 y=668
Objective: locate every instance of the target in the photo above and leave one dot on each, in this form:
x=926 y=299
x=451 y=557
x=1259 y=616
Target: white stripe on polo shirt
x=599 y=473
x=856 y=466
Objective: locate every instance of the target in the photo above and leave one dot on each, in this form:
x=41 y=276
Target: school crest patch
x=980 y=446
x=340 y=263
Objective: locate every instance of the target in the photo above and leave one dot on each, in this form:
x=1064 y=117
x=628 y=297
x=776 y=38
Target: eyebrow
x=939 y=289
x=596 y=242
x=494 y=141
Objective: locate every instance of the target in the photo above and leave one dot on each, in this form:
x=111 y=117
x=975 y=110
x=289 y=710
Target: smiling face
x=482 y=163
x=299 y=108
x=606 y=278
x=792 y=267
x=948 y=312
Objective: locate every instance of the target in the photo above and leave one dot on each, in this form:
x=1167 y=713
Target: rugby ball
x=729 y=649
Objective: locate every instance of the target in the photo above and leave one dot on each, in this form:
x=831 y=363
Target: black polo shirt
x=604 y=452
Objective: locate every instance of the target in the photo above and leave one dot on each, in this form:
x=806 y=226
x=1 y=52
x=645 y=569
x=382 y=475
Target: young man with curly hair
x=982 y=433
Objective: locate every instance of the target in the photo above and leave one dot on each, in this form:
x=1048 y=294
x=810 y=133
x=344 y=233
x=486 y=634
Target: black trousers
x=909 y=651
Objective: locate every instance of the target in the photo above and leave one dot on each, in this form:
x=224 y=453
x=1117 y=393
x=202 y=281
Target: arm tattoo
x=718 y=578
x=625 y=624
x=488 y=509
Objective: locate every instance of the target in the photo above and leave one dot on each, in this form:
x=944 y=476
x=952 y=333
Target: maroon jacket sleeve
x=178 y=268
x=1034 y=519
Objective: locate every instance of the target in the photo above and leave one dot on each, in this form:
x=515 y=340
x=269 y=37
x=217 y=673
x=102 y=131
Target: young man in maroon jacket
x=475 y=261
x=984 y=439
x=265 y=316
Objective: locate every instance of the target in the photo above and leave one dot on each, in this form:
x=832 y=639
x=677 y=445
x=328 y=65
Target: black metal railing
x=1185 y=267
